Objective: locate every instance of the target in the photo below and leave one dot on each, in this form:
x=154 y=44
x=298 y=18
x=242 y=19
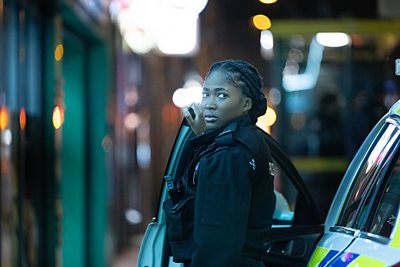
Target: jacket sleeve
x=222 y=207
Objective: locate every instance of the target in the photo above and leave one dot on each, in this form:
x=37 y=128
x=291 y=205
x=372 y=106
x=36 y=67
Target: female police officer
x=227 y=195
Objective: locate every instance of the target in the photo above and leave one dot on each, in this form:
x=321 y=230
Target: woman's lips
x=210 y=118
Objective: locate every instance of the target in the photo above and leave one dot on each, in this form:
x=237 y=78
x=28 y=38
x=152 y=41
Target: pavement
x=128 y=257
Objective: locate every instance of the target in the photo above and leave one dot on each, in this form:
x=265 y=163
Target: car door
x=296 y=225
x=296 y=228
x=366 y=231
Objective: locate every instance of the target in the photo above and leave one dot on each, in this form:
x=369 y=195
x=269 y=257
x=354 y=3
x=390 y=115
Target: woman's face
x=222 y=101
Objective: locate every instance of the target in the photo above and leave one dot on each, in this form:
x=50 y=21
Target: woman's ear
x=247 y=104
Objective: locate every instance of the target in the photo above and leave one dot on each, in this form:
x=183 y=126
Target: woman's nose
x=209 y=103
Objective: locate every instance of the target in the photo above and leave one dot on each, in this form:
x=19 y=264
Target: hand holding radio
x=194 y=116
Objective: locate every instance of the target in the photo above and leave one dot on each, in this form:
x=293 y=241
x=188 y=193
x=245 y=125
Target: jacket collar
x=209 y=136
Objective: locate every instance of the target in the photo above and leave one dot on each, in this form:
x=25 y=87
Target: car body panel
x=154 y=237
x=323 y=255
x=373 y=250
x=333 y=244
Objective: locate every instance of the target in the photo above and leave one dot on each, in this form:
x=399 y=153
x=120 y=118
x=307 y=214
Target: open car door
x=296 y=228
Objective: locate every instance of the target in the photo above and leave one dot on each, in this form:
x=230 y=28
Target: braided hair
x=246 y=77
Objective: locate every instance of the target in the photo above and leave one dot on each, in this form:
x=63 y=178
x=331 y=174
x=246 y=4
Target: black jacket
x=231 y=177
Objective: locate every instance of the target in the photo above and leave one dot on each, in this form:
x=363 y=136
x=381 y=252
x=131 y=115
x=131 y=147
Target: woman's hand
x=197 y=123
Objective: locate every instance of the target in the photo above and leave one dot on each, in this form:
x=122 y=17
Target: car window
x=354 y=211
x=387 y=208
x=285 y=196
x=294 y=205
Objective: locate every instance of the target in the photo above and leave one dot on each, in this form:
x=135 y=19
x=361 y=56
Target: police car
x=362 y=227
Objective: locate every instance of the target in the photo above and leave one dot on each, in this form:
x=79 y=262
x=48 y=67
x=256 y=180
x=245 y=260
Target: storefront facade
x=55 y=59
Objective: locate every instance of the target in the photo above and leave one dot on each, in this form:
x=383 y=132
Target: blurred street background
x=90 y=97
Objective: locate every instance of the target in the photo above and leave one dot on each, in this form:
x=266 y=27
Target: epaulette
x=249 y=138
x=226 y=136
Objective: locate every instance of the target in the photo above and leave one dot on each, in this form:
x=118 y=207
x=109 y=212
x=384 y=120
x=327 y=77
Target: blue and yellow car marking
x=320 y=253
x=322 y=256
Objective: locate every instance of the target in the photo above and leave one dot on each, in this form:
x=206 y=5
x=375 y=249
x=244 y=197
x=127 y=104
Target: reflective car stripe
x=322 y=256
x=344 y=260
x=319 y=256
x=395 y=243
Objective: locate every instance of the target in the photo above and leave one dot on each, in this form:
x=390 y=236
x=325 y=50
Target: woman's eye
x=222 y=95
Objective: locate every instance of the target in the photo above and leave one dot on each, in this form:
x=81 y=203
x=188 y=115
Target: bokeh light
x=59 y=52
x=333 y=39
x=132 y=120
x=261 y=22
x=190 y=93
x=58 y=117
x=22 y=118
x=267 y=120
x=268 y=2
x=3 y=117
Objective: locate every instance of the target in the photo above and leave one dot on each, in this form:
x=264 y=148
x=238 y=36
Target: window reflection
x=360 y=187
x=388 y=207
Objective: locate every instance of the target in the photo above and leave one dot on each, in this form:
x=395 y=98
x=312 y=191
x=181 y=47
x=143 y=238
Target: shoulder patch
x=252 y=163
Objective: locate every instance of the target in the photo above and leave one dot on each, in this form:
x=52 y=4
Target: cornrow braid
x=246 y=77
x=248 y=74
